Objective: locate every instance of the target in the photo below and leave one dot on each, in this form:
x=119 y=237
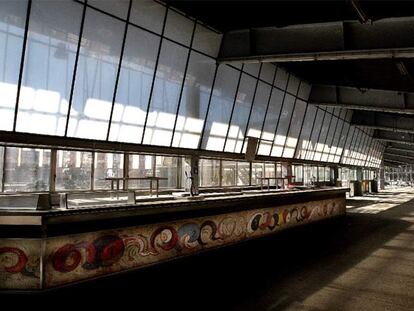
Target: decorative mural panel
x=20 y=263
x=87 y=255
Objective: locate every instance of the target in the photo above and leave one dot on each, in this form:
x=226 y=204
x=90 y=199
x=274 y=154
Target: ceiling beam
x=394 y=137
x=384 y=121
x=398 y=158
x=385 y=39
x=362 y=99
x=398 y=155
x=386 y=161
x=393 y=147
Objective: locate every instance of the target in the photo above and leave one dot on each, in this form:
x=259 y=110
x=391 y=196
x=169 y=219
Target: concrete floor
x=362 y=262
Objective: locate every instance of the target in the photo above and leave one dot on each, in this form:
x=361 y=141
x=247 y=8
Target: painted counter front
x=60 y=260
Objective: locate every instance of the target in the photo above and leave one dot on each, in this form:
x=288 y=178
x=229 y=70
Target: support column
x=382 y=178
x=336 y=176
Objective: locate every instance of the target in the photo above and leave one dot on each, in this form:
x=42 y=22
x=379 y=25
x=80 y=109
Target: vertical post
x=92 y=171
x=250 y=172
x=126 y=170
x=52 y=176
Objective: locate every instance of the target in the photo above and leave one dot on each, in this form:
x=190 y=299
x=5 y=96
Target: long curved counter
x=46 y=249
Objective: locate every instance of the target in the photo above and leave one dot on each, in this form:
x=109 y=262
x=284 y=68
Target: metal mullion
x=126 y=169
x=346 y=139
x=319 y=136
x=250 y=111
x=221 y=173
x=358 y=143
x=3 y=173
x=352 y=145
x=311 y=132
x=326 y=137
x=182 y=84
x=118 y=73
x=155 y=75
x=339 y=137
x=333 y=136
x=280 y=111
x=300 y=131
x=369 y=151
x=365 y=150
x=377 y=154
x=374 y=154
x=19 y=83
x=320 y=132
x=234 y=104
x=208 y=108
x=52 y=173
x=92 y=171
x=363 y=147
x=267 y=107
x=372 y=148
x=75 y=67
x=291 y=117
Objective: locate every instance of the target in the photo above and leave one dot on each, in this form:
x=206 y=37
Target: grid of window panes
x=137 y=71
x=31 y=170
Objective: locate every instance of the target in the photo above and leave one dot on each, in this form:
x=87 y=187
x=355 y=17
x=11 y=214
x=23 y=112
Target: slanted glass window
x=134 y=86
x=194 y=101
x=268 y=72
x=167 y=167
x=209 y=173
x=243 y=173
x=108 y=165
x=115 y=7
x=341 y=144
x=73 y=170
x=241 y=114
x=140 y=165
x=166 y=93
x=259 y=110
x=318 y=121
x=281 y=79
x=220 y=108
x=295 y=127
x=48 y=69
x=306 y=132
x=322 y=137
x=229 y=173
x=283 y=125
x=148 y=14
x=26 y=170
x=207 y=41
x=257 y=173
x=12 y=23
x=270 y=123
x=95 y=77
x=252 y=69
x=178 y=28
x=334 y=144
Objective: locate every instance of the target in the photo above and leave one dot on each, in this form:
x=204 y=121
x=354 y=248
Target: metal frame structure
x=45 y=141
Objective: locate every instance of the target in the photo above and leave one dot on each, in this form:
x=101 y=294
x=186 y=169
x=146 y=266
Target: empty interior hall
x=223 y=155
